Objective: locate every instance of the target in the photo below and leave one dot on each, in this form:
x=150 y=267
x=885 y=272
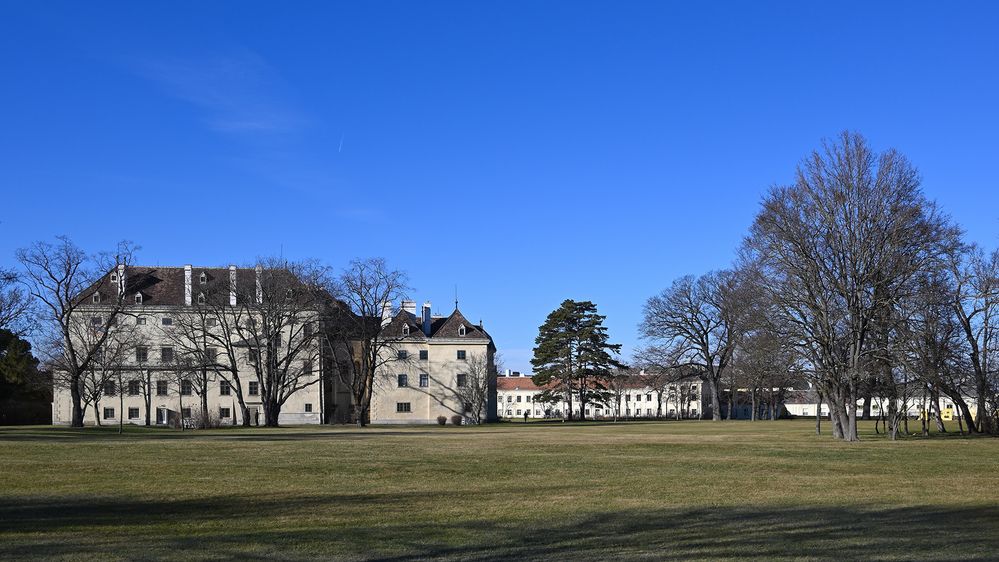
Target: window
x=109 y=388
x=648 y=412
x=424 y=380
x=211 y=354
x=627 y=398
x=114 y=277
x=166 y=354
x=211 y=322
x=527 y=398
x=461 y=330
x=141 y=354
x=224 y=388
x=424 y=355
x=648 y=397
x=254 y=388
x=520 y=412
x=162 y=388
x=463 y=382
x=402 y=354
x=519 y=398
x=109 y=413
x=509 y=412
x=167 y=321
x=638 y=398
x=308 y=407
x=185 y=413
x=403 y=407
x=138 y=298
x=461 y=354
x=133 y=413
x=307 y=329
x=468 y=407
x=224 y=413
x=307 y=366
x=509 y=398
x=201 y=298
x=97 y=298
x=186 y=388
x=96 y=321
x=133 y=388
x=405 y=329
x=403 y=380
x=203 y=278
x=140 y=321
x=251 y=355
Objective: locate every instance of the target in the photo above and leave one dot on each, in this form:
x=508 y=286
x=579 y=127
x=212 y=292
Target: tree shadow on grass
x=387 y=528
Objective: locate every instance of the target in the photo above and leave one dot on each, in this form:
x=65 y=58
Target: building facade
x=187 y=337
x=437 y=366
x=634 y=397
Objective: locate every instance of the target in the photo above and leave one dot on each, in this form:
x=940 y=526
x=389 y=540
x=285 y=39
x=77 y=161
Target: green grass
x=765 y=490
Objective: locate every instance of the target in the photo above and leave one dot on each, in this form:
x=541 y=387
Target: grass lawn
x=510 y=491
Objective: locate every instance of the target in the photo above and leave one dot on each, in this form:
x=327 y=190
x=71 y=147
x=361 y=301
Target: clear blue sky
x=526 y=152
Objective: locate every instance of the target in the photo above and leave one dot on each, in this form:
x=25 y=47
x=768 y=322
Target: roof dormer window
x=138 y=298
x=96 y=298
x=114 y=277
x=201 y=298
x=203 y=279
x=461 y=330
x=405 y=329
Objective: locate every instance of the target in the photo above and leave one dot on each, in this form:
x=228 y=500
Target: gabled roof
x=449 y=328
x=395 y=328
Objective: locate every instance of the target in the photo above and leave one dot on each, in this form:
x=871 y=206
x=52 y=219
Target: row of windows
x=402 y=380
x=424 y=354
x=599 y=412
x=186 y=388
x=407 y=407
x=224 y=413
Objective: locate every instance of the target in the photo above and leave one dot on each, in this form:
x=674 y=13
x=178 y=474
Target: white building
x=635 y=398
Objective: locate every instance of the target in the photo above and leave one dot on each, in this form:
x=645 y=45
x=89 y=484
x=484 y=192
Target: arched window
x=405 y=329
x=97 y=298
x=461 y=330
x=138 y=298
x=203 y=279
x=201 y=297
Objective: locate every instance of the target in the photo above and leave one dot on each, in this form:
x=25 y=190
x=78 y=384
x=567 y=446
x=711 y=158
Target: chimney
x=408 y=306
x=187 y=284
x=260 y=288
x=426 y=318
x=121 y=279
x=386 y=313
x=232 y=285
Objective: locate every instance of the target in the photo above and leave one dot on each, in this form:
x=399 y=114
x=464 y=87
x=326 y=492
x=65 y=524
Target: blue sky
x=526 y=152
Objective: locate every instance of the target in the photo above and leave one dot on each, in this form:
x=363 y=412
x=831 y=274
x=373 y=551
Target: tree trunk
x=97 y=418
x=818 y=415
x=935 y=404
x=867 y=407
x=148 y=397
x=77 y=402
x=715 y=399
x=752 y=399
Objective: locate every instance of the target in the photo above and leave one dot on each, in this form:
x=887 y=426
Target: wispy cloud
x=238 y=91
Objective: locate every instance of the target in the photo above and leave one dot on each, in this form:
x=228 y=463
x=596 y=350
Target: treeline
x=851 y=279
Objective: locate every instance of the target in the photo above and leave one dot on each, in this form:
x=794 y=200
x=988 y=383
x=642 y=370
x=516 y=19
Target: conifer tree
x=572 y=358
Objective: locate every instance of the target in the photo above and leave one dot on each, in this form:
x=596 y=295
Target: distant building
x=631 y=398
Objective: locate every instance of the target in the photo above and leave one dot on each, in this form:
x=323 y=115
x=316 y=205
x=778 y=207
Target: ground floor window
x=109 y=413
x=308 y=407
x=403 y=407
x=185 y=412
x=224 y=413
x=133 y=413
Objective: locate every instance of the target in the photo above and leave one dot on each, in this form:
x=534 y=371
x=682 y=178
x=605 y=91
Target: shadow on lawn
x=110 y=434
x=320 y=526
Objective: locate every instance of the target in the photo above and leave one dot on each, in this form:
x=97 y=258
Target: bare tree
x=976 y=304
x=353 y=326
x=78 y=306
x=836 y=248
x=282 y=309
x=15 y=304
x=469 y=391
x=698 y=319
